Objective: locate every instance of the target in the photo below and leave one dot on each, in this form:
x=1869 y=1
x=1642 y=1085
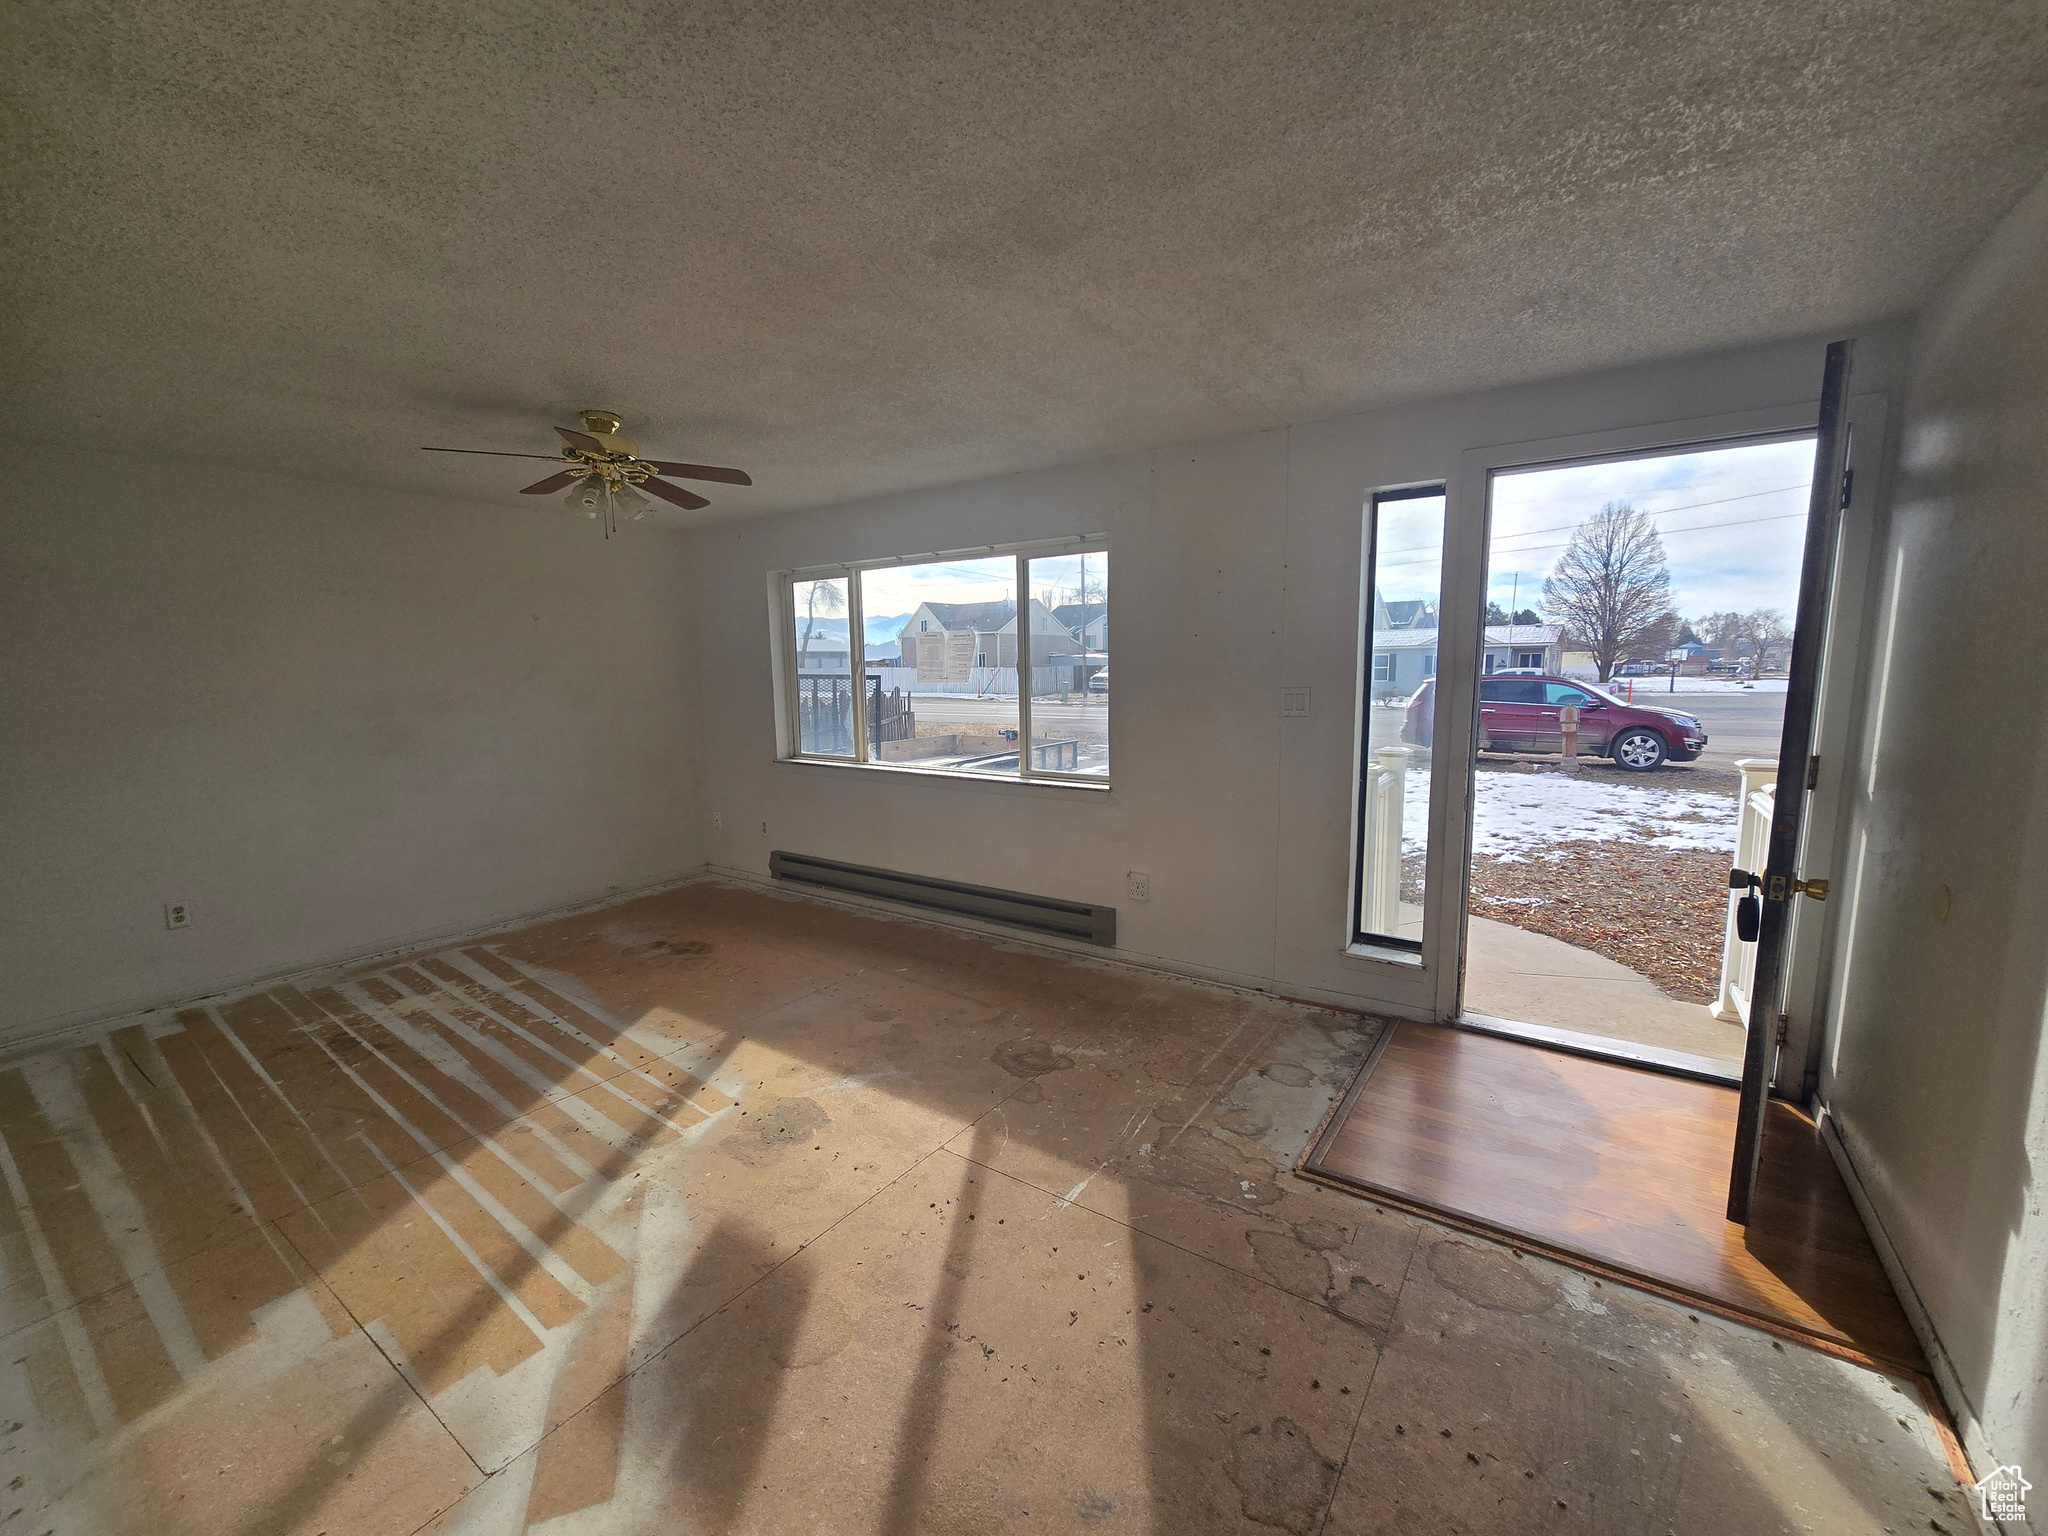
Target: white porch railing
x=1386 y=789
x=1752 y=850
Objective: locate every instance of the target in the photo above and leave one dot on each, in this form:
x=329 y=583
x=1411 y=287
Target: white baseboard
x=1969 y=1429
x=1128 y=959
x=44 y=1033
x=39 y=1034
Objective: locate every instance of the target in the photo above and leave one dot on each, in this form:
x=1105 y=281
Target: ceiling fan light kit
x=607 y=476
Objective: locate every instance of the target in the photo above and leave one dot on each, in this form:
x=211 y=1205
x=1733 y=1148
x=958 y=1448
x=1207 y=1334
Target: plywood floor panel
x=1623 y=1168
x=749 y=1212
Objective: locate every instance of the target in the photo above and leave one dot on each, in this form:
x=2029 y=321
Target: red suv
x=1521 y=714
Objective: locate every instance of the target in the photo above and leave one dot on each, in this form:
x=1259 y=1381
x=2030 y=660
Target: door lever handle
x=1749 y=910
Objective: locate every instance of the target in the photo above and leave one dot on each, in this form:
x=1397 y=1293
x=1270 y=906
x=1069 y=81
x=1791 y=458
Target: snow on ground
x=1522 y=815
x=1647 y=689
x=1648 y=686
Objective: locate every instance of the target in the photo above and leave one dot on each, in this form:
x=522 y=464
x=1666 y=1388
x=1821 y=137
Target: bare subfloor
x=718 y=1211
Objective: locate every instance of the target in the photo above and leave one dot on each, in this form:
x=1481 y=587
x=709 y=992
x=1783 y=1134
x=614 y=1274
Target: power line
x=1739 y=522
x=1529 y=533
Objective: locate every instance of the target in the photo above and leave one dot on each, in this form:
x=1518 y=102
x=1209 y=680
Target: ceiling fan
x=606 y=475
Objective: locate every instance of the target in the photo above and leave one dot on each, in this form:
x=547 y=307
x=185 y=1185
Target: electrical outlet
x=177 y=914
x=1294 y=702
x=1139 y=885
x=717 y=820
x=764 y=829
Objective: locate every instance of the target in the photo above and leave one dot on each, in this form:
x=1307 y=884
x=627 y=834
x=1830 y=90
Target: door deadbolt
x=1781 y=887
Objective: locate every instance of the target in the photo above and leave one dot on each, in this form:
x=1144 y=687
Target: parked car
x=1099 y=682
x=1524 y=714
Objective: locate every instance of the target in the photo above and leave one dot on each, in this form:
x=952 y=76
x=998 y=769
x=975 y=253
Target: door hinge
x=1784 y=1027
x=1813 y=771
x=1848 y=483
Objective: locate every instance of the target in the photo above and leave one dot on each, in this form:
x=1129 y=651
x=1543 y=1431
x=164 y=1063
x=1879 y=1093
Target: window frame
x=782 y=608
x=1358 y=942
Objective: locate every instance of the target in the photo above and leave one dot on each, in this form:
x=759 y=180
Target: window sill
x=1384 y=955
x=974 y=780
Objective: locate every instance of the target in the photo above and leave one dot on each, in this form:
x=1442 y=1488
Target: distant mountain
x=830 y=630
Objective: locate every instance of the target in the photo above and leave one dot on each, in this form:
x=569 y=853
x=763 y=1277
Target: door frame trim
x=1468 y=516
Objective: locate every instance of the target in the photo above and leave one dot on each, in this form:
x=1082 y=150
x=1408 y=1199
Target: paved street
x=1738 y=724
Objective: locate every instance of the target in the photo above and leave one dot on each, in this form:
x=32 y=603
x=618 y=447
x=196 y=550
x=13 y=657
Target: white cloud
x=1733 y=522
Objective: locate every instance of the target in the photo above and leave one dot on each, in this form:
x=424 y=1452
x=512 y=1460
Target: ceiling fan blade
x=701 y=472
x=582 y=440
x=497 y=454
x=549 y=486
x=675 y=493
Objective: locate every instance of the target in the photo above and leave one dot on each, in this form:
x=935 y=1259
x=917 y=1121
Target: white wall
x=332 y=719
x=1234 y=572
x=1940 y=1082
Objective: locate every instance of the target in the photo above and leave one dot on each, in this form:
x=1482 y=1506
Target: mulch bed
x=1659 y=911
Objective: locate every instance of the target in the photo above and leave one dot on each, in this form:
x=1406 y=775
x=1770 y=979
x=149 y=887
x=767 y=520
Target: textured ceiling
x=854 y=249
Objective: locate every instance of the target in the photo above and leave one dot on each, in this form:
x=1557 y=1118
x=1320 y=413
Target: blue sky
x=992 y=579
x=900 y=588
x=889 y=596
x=1408 y=562
x=881 y=629
x=1733 y=521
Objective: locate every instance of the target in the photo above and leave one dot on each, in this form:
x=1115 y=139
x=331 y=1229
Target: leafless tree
x=1611 y=590
x=1723 y=631
x=1769 y=633
x=1756 y=634
x=1094 y=585
x=821 y=597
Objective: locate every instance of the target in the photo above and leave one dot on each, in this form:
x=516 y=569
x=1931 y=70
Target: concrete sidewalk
x=1535 y=979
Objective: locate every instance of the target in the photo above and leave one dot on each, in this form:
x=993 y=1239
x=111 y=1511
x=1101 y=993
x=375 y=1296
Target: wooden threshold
x=1607 y=1048
x=1620 y=1171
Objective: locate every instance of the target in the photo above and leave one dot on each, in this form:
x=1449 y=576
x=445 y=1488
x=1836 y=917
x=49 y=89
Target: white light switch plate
x=1293 y=702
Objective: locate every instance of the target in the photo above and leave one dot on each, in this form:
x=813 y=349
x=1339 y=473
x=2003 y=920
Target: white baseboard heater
x=1040 y=914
